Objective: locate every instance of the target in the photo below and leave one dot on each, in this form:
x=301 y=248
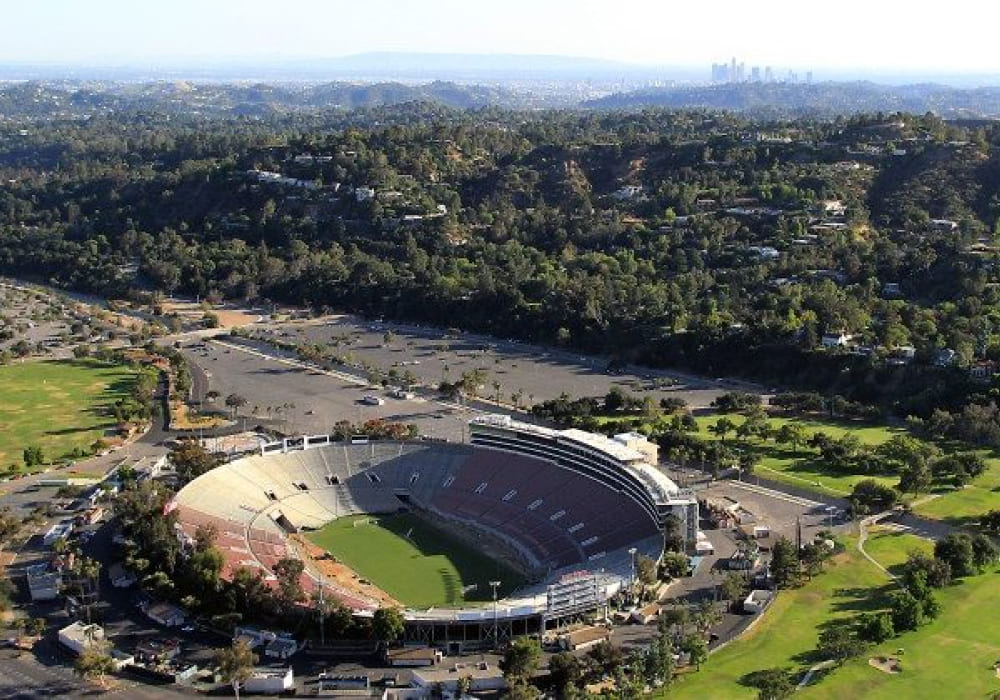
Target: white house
x=836 y=340
x=79 y=636
x=43 y=583
x=267 y=681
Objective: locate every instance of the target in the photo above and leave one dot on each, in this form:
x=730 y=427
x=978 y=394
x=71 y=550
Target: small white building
x=79 y=636
x=60 y=530
x=836 y=340
x=757 y=601
x=268 y=681
x=43 y=583
x=363 y=194
x=483 y=676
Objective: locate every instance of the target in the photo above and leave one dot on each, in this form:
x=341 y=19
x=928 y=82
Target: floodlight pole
x=495 y=585
x=322 y=613
x=632 y=551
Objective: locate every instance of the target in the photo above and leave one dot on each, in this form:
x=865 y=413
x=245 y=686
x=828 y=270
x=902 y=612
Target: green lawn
x=787 y=634
x=804 y=468
x=951 y=657
x=59 y=405
x=414 y=562
x=964 y=506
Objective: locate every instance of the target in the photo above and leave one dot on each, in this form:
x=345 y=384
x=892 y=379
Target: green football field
x=414 y=562
x=57 y=404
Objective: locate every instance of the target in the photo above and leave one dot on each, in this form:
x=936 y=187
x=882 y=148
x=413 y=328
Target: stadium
x=523 y=528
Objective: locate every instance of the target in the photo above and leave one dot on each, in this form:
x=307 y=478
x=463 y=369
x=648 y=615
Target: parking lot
x=294 y=399
x=433 y=355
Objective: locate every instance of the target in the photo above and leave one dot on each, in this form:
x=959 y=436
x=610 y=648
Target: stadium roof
x=658 y=484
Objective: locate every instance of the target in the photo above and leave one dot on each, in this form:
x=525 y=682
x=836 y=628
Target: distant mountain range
x=73 y=99
x=820 y=99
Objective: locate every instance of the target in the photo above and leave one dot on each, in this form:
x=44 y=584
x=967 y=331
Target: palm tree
x=236 y=664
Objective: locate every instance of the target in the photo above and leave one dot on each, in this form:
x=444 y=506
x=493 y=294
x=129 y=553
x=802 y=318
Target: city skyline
x=859 y=36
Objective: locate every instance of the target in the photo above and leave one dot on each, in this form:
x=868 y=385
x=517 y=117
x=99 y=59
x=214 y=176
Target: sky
x=957 y=36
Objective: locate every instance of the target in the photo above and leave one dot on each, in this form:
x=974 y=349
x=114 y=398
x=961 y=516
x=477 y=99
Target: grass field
x=804 y=468
x=58 y=405
x=951 y=657
x=414 y=562
x=964 y=506
x=788 y=633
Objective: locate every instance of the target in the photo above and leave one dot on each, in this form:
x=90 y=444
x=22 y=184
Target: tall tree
x=236 y=664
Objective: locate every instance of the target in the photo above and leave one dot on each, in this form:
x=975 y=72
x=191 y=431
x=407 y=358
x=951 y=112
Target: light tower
x=495 y=585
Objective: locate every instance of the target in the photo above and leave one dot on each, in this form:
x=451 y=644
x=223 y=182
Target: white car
x=372 y=400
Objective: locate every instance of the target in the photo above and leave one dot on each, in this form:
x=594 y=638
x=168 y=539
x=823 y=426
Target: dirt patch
x=886 y=664
x=228 y=318
x=181 y=418
x=341 y=576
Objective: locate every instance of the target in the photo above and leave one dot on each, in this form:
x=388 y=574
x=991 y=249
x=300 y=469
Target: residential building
x=269 y=681
x=43 y=582
x=80 y=635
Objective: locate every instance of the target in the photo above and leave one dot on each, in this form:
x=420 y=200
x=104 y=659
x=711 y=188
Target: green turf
x=786 y=636
x=804 y=467
x=414 y=562
x=964 y=506
x=951 y=657
x=57 y=404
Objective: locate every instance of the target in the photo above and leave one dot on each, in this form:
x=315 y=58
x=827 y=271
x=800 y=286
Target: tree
x=957 y=552
x=94 y=662
x=733 y=588
x=190 y=460
x=934 y=572
x=722 y=427
x=236 y=664
x=772 y=683
x=289 y=573
x=388 y=625
x=784 y=563
x=984 y=551
x=675 y=564
x=235 y=402
x=520 y=659
x=906 y=610
x=646 y=569
x=564 y=673
x=463 y=686
x=876 y=627
x=839 y=642
x=32 y=456
x=869 y=496
x=697 y=649
x=915 y=479
x=791 y=434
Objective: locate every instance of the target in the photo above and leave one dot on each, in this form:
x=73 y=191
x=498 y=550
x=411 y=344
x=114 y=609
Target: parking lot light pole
x=830 y=511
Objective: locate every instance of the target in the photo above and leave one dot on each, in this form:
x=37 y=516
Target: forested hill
x=74 y=100
x=820 y=99
x=856 y=255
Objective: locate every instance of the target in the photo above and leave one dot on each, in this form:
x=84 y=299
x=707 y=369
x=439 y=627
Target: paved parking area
x=538 y=373
x=304 y=400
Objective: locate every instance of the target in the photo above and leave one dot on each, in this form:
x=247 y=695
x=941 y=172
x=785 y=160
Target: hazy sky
x=956 y=36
